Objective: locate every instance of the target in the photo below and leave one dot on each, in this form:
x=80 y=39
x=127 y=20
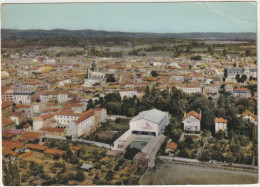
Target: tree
x=79 y=176
x=56 y=156
x=230 y=158
x=248 y=52
x=109 y=176
x=224 y=52
x=205 y=156
x=154 y=73
x=111 y=79
x=130 y=153
x=198 y=57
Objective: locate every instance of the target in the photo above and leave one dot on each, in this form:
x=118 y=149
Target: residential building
x=232 y=72
x=220 y=124
x=192 y=121
x=128 y=93
x=241 y=93
x=7 y=108
x=247 y=115
x=42 y=121
x=23 y=96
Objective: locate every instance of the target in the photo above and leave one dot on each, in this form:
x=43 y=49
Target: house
x=30 y=136
x=16 y=132
x=36 y=147
x=228 y=87
x=251 y=73
x=83 y=125
x=62 y=82
x=26 y=110
x=7 y=108
x=128 y=93
x=170 y=147
x=7 y=94
x=53 y=131
x=42 y=121
x=8 y=154
x=190 y=89
x=192 y=121
x=14 y=146
x=8 y=123
x=17 y=117
x=220 y=124
x=247 y=115
x=232 y=72
x=23 y=96
x=75 y=107
x=54 y=152
x=241 y=93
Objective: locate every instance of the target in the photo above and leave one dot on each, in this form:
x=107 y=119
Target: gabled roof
x=12 y=145
x=31 y=135
x=248 y=113
x=221 y=120
x=192 y=113
x=6 y=104
x=7 y=121
x=26 y=154
x=85 y=115
x=54 y=151
x=36 y=146
x=43 y=117
x=6 y=151
x=171 y=145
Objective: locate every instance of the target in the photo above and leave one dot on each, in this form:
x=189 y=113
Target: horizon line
x=126 y=31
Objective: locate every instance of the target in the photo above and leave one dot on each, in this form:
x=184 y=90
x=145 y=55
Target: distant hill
x=56 y=33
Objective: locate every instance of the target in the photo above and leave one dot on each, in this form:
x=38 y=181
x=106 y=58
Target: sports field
x=170 y=174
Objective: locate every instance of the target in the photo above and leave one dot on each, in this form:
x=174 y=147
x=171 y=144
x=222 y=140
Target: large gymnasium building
x=147 y=124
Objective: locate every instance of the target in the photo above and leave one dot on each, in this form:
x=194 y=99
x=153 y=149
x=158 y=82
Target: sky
x=133 y=17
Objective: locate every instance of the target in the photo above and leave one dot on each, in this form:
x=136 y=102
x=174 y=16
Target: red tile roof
x=6 y=104
x=248 y=113
x=85 y=116
x=14 y=131
x=52 y=129
x=221 y=120
x=23 y=106
x=36 y=146
x=43 y=117
x=192 y=113
x=171 y=145
x=7 y=121
x=26 y=154
x=31 y=135
x=6 y=151
x=75 y=148
x=12 y=145
x=54 y=151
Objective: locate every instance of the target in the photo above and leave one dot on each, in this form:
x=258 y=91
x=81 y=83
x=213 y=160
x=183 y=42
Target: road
x=99 y=144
